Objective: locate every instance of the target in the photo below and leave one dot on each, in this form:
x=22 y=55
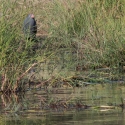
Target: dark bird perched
x=30 y=27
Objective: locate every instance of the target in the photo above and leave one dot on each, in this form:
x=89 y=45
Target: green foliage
x=16 y=53
x=79 y=34
x=98 y=26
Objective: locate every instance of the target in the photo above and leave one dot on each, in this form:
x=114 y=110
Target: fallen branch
x=45 y=82
x=17 y=81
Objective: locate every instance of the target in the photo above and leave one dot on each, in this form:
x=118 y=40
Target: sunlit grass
x=85 y=34
x=94 y=28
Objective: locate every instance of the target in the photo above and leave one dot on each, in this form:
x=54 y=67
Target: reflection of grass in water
x=65 y=98
x=66 y=101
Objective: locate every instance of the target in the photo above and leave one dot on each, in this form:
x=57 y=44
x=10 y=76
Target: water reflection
x=96 y=104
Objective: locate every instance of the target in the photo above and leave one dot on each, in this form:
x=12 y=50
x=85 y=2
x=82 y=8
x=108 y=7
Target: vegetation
x=78 y=35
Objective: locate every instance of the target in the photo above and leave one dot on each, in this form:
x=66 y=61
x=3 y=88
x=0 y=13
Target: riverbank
x=80 y=35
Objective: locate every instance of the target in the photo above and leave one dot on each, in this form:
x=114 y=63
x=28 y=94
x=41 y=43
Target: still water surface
x=65 y=106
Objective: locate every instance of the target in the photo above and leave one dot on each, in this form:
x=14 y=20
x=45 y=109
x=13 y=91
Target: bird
x=30 y=27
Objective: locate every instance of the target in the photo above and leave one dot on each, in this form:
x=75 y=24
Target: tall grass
x=80 y=33
x=16 y=55
x=95 y=27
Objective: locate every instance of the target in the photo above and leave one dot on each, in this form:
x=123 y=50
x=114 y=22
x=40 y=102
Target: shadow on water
x=96 y=104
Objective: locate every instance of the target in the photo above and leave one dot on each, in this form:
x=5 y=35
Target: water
x=65 y=106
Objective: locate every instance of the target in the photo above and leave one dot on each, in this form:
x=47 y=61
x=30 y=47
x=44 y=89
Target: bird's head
x=32 y=15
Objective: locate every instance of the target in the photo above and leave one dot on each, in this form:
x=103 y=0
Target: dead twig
x=20 y=77
x=45 y=82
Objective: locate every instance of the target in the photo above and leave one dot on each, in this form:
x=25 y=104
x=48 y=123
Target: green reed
x=79 y=34
x=16 y=54
x=94 y=28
